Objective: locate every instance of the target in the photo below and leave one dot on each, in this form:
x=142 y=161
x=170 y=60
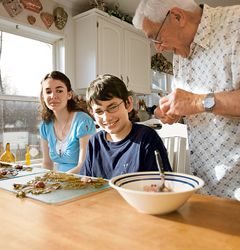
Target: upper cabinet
x=109 y=48
x=107 y=45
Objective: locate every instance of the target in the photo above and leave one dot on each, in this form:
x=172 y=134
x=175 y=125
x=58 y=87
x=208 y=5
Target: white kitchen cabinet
x=105 y=44
x=109 y=48
x=137 y=62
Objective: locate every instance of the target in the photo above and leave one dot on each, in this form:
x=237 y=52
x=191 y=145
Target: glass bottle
x=18 y=154
x=142 y=112
x=27 y=156
x=7 y=156
x=1 y=148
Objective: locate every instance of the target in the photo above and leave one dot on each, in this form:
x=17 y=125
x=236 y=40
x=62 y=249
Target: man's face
x=166 y=36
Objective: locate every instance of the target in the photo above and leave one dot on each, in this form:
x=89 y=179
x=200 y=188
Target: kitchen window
x=23 y=63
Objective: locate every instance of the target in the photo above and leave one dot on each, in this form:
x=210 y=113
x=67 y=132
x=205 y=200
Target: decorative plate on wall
x=12 y=7
x=33 y=5
x=47 y=19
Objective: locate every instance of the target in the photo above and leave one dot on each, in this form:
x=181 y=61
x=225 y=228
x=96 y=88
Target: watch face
x=209 y=102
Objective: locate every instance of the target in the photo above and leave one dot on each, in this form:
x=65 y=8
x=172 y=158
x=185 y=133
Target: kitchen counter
x=105 y=221
x=176 y=129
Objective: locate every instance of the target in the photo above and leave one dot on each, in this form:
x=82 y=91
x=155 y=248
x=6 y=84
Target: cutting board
x=59 y=196
x=21 y=173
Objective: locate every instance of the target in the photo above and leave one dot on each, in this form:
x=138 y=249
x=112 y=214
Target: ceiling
x=129 y=6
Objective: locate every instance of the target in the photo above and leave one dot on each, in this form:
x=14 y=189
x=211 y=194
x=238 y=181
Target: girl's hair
x=156 y=10
x=106 y=87
x=74 y=104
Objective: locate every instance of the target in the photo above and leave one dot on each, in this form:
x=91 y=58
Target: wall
x=21 y=18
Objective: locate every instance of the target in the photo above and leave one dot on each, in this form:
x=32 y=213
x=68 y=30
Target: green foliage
x=115 y=12
x=161 y=64
x=101 y=5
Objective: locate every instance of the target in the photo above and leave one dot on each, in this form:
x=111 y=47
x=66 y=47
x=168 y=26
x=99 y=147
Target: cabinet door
x=110 y=48
x=85 y=51
x=137 y=62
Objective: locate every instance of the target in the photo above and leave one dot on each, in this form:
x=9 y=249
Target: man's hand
x=177 y=104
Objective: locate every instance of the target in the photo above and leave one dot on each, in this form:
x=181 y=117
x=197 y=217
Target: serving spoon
x=162 y=187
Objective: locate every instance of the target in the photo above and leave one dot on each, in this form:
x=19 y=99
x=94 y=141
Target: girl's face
x=112 y=116
x=55 y=94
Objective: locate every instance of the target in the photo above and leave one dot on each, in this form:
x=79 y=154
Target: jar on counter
x=142 y=111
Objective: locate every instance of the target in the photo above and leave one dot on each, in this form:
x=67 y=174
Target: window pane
x=19 y=126
x=23 y=64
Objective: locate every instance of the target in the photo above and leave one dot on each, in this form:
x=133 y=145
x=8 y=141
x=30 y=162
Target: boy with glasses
x=121 y=146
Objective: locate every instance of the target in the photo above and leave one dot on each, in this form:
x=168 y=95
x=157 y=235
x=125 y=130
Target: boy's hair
x=106 y=87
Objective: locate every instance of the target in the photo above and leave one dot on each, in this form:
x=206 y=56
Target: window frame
x=35 y=33
x=53 y=38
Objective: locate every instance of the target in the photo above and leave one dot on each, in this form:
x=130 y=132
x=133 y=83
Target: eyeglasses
x=111 y=109
x=159 y=30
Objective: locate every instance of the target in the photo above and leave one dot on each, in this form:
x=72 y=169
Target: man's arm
x=183 y=103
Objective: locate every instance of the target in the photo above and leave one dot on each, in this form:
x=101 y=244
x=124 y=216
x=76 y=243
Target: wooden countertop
x=106 y=221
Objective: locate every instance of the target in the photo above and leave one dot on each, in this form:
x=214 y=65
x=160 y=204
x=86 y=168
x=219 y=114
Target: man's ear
x=178 y=15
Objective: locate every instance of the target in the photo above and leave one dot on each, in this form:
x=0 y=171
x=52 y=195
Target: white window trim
x=19 y=98
x=59 y=55
x=21 y=29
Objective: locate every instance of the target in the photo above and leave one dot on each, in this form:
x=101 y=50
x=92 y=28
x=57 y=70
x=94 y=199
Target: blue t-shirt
x=133 y=154
x=82 y=124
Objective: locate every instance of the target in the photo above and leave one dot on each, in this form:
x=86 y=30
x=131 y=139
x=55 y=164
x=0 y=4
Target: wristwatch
x=209 y=102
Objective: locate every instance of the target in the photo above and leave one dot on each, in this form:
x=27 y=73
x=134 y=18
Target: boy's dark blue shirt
x=133 y=154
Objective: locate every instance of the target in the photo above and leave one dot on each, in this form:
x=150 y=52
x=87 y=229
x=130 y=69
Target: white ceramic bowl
x=131 y=188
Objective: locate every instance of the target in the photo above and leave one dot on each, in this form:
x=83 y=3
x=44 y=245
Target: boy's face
x=112 y=115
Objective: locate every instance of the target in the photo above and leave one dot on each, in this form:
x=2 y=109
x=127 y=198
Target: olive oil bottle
x=7 y=156
x=27 y=156
x=18 y=154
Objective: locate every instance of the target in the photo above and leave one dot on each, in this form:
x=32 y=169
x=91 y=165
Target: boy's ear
x=129 y=104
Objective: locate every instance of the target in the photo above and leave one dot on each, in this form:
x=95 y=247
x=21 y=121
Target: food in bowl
x=156 y=188
x=131 y=187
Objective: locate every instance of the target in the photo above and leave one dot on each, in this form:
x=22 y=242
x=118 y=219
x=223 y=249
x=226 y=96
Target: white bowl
x=131 y=188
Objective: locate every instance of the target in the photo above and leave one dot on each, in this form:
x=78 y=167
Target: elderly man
x=206 y=46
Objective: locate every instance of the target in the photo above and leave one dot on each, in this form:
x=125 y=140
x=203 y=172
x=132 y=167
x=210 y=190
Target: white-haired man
x=205 y=42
